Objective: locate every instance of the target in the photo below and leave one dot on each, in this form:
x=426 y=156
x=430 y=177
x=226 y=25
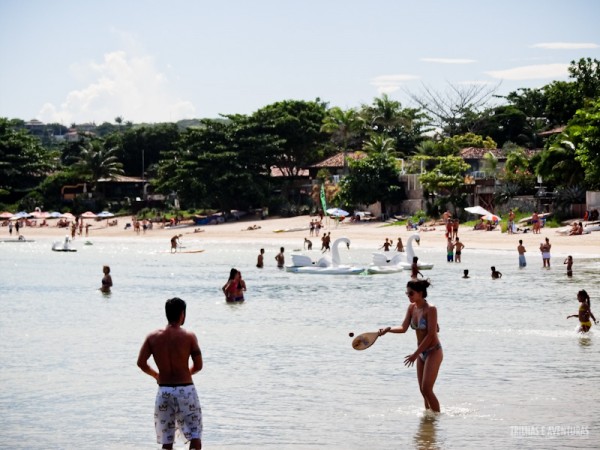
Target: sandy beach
x=295 y=229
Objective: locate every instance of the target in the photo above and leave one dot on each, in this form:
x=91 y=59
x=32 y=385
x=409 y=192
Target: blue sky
x=152 y=61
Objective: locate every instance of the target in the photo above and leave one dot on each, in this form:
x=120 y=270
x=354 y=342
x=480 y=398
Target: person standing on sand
x=511 y=222
x=422 y=317
x=280 y=258
x=545 y=249
x=260 y=261
x=106 y=280
x=521 y=250
x=177 y=405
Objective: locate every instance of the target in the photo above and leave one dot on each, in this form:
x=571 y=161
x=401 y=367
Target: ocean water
x=279 y=371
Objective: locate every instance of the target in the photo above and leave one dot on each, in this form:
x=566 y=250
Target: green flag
x=323 y=201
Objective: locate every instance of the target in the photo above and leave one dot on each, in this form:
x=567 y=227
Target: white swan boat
x=382 y=265
x=327 y=265
x=64 y=246
x=410 y=254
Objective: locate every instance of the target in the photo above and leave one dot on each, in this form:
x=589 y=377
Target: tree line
x=226 y=163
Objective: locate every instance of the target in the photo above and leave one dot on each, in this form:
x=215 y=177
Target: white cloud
x=120 y=85
x=386 y=84
x=541 y=71
x=565 y=45
x=449 y=60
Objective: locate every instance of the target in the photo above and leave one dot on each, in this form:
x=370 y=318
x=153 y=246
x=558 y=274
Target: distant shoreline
x=370 y=234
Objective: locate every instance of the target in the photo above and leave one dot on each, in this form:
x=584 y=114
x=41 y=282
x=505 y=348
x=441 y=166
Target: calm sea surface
x=279 y=369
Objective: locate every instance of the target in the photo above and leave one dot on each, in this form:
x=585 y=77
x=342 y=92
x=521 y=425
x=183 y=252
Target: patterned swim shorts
x=177 y=408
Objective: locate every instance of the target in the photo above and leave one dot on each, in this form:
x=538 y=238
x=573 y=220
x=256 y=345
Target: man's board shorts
x=522 y=261
x=177 y=408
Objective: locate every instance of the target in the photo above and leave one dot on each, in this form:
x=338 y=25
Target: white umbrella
x=105 y=214
x=54 y=215
x=477 y=210
x=492 y=217
x=337 y=212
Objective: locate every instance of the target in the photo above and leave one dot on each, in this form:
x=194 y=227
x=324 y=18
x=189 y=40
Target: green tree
x=558 y=165
x=372 y=179
x=445 y=181
x=343 y=126
x=406 y=126
x=24 y=162
x=585 y=128
x=96 y=162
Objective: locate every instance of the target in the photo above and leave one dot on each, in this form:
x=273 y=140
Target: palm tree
x=96 y=162
x=343 y=125
x=380 y=144
x=558 y=163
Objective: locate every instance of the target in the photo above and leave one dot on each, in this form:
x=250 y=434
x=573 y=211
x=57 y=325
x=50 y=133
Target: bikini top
x=422 y=325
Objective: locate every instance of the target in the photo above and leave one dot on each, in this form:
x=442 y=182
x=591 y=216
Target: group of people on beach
x=174 y=375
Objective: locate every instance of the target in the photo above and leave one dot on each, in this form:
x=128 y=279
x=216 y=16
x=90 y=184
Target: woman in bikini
x=232 y=289
x=422 y=317
x=585 y=312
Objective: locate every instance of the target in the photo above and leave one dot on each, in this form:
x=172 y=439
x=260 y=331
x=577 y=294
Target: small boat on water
x=327 y=265
x=64 y=246
x=18 y=240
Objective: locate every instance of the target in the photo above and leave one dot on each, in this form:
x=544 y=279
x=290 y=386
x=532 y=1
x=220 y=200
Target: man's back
x=171 y=348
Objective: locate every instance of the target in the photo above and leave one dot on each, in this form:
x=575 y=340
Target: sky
x=74 y=61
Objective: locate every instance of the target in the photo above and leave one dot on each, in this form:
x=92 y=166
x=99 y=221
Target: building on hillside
x=335 y=165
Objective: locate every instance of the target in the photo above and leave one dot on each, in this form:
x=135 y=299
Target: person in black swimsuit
x=422 y=317
x=106 y=280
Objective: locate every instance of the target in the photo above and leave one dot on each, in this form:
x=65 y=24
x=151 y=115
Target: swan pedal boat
x=382 y=265
x=327 y=265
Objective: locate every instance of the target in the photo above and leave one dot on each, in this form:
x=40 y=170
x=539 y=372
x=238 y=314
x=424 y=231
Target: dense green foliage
x=227 y=163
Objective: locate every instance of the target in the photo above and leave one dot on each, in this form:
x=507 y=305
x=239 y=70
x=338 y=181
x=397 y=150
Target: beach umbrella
x=492 y=217
x=88 y=215
x=105 y=214
x=68 y=215
x=6 y=215
x=478 y=210
x=21 y=215
x=40 y=215
x=337 y=212
x=54 y=215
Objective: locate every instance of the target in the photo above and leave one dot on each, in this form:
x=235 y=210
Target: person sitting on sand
x=585 y=312
x=496 y=274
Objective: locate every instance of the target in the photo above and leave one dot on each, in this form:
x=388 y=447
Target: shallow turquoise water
x=279 y=369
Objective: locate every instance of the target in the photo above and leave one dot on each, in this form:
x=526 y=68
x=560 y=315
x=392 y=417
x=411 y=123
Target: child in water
x=585 y=312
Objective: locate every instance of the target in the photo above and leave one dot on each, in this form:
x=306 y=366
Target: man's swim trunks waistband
x=176 y=385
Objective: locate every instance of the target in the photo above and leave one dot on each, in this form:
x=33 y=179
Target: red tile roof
x=337 y=160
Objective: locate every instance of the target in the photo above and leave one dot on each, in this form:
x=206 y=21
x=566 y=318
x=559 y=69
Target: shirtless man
x=177 y=405
x=261 y=258
x=458 y=246
x=521 y=250
x=280 y=258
